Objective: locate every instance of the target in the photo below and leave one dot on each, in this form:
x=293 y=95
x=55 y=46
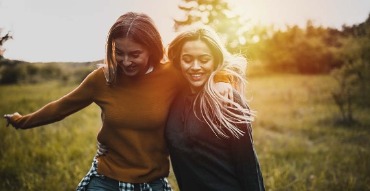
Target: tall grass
x=300 y=147
x=51 y=157
x=299 y=144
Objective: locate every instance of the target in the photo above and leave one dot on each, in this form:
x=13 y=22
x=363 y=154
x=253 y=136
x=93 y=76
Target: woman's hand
x=225 y=89
x=10 y=119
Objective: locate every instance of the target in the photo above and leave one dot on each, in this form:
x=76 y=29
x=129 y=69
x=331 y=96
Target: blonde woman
x=210 y=142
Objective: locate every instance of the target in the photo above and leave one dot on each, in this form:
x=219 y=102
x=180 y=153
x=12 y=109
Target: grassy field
x=300 y=144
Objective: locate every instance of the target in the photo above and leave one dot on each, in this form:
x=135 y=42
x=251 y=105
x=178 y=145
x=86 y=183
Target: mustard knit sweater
x=133 y=113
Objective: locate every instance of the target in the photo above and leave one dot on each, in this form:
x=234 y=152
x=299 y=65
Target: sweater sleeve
x=223 y=76
x=59 y=109
x=245 y=158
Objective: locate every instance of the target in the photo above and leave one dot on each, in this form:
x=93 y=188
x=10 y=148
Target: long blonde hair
x=221 y=114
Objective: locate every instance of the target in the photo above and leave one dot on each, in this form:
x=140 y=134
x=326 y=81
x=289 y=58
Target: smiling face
x=131 y=57
x=196 y=63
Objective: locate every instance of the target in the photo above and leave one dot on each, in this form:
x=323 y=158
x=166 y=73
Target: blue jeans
x=108 y=184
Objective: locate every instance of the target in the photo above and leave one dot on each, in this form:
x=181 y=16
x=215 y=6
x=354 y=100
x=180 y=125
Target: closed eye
x=204 y=59
x=187 y=58
x=135 y=54
x=119 y=53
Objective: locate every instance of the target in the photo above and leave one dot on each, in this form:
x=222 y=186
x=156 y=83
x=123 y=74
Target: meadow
x=299 y=141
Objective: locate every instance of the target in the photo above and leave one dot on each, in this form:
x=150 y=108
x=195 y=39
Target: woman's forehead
x=195 y=47
x=121 y=42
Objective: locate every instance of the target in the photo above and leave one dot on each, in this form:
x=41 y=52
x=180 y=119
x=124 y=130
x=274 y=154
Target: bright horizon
x=47 y=31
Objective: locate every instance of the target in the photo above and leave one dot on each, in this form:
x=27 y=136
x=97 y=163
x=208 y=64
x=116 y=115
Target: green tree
x=353 y=75
x=308 y=50
x=216 y=13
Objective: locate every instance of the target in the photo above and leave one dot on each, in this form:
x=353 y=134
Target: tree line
x=22 y=72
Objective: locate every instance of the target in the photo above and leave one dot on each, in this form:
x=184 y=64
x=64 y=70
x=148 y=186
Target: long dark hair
x=140 y=28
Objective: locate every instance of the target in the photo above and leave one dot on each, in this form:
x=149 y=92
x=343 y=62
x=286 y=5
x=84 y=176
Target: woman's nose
x=195 y=65
x=126 y=61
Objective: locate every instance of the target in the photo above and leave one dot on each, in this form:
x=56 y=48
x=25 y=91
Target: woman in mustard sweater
x=210 y=143
x=134 y=91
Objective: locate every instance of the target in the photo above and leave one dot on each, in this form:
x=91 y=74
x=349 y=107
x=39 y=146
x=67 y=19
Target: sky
x=70 y=30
